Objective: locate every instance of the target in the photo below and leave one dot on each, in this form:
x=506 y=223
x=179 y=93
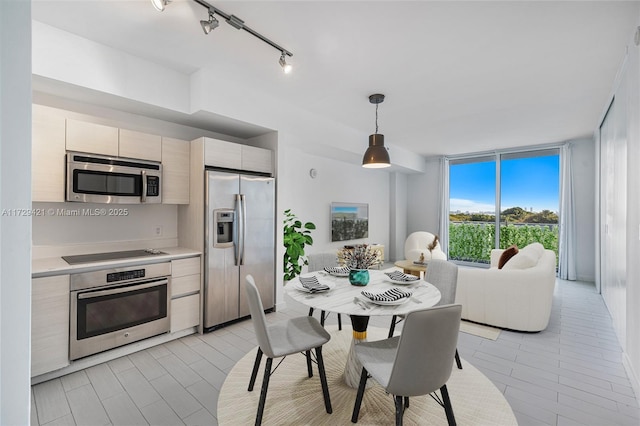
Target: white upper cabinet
x=236 y=156
x=222 y=154
x=175 y=171
x=48 y=154
x=96 y=138
x=140 y=145
x=91 y=137
x=256 y=159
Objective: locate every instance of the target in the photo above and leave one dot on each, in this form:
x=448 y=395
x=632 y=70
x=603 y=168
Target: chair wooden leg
x=339 y=321
x=359 y=395
x=322 y=317
x=311 y=312
x=458 y=363
x=309 y=369
x=263 y=392
x=406 y=402
x=392 y=327
x=448 y=409
x=399 y=400
x=254 y=373
x=323 y=380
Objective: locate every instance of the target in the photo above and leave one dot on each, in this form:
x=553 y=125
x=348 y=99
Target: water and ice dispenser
x=224 y=221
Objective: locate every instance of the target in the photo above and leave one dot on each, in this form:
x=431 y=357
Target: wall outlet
x=157 y=230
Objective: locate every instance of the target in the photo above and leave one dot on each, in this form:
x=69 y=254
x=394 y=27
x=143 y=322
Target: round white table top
x=340 y=299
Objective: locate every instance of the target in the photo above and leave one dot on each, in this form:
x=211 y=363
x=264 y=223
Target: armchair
x=417 y=243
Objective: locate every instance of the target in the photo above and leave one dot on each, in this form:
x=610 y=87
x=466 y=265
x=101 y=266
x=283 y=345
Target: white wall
x=632 y=338
x=398 y=199
x=15 y=193
x=423 y=206
x=310 y=199
x=584 y=166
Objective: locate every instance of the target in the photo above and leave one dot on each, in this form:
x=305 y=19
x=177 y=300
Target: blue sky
x=527 y=183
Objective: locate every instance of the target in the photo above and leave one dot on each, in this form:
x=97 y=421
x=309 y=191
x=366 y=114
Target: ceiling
x=459 y=76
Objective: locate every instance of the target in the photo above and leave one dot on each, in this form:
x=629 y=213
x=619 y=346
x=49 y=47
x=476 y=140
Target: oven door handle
x=107 y=292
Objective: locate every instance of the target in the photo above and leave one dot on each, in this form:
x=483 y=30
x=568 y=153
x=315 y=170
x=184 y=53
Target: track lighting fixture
x=211 y=24
x=283 y=63
x=234 y=21
x=376 y=156
x=160 y=4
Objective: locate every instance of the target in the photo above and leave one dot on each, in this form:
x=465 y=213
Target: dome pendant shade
x=376 y=156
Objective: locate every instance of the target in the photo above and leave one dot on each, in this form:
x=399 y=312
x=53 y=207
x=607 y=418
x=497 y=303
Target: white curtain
x=444 y=202
x=567 y=237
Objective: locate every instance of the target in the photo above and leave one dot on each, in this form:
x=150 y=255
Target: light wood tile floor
x=569 y=374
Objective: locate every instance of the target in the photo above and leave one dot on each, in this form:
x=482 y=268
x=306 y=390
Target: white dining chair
x=317 y=262
x=444 y=276
x=432 y=333
x=284 y=338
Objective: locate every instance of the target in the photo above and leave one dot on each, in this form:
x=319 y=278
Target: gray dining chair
x=444 y=276
x=284 y=338
x=317 y=262
x=433 y=334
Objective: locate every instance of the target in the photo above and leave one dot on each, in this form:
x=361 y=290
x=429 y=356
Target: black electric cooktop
x=114 y=255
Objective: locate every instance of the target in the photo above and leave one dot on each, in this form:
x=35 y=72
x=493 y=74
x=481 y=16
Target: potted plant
x=296 y=236
x=359 y=259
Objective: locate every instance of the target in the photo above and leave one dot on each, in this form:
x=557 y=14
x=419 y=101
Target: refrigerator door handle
x=243 y=203
x=239 y=231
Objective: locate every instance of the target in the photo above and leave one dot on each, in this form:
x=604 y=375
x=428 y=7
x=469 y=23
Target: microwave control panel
x=153 y=186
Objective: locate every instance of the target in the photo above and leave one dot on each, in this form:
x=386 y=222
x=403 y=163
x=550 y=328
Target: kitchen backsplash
x=86 y=224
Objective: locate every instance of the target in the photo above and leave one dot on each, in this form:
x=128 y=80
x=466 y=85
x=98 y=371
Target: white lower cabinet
x=49 y=324
x=185 y=293
x=185 y=312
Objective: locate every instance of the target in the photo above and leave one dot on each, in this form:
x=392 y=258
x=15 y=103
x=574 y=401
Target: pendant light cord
x=377 y=118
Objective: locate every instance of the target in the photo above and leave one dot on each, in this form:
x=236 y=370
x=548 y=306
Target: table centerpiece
x=359 y=258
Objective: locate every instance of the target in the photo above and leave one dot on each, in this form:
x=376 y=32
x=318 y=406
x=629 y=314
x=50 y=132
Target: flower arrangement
x=361 y=256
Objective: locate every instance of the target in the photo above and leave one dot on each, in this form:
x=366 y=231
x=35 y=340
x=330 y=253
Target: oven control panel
x=119 y=276
x=125 y=275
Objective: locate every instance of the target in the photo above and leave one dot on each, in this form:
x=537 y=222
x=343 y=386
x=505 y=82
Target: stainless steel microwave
x=93 y=178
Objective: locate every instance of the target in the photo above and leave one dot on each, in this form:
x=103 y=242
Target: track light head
x=160 y=4
x=283 y=63
x=211 y=24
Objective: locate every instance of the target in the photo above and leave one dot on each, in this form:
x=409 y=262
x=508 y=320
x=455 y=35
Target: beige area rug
x=479 y=330
x=295 y=399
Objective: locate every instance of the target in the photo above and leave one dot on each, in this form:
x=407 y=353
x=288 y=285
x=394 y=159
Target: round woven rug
x=295 y=399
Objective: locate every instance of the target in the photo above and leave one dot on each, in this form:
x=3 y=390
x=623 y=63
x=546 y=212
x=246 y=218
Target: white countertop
x=49 y=266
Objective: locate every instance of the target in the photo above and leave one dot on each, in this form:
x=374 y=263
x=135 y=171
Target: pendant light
x=376 y=156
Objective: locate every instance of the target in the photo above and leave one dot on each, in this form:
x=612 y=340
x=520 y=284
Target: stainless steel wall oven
x=111 y=308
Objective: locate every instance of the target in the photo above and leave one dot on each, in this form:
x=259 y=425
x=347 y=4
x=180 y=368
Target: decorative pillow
x=506 y=255
x=534 y=249
x=522 y=260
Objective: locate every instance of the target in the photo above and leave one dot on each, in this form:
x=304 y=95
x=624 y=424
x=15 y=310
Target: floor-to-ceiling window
x=503 y=199
x=472 y=207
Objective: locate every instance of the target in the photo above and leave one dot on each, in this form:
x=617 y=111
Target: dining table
x=344 y=298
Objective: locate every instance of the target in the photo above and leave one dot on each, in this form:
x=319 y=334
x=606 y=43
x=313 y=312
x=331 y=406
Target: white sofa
x=517 y=297
x=417 y=243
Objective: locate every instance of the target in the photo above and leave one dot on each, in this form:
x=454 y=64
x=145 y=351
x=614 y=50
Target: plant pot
x=359 y=277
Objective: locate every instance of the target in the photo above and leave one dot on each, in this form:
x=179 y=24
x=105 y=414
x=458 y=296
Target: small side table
x=408 y=267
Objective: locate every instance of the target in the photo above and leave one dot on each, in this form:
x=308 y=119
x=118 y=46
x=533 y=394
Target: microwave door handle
x=143 y=197
x=237 y=230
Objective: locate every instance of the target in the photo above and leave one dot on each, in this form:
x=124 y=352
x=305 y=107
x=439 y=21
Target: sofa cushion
x=534 y=249
x=506 y=255
x=522 y=260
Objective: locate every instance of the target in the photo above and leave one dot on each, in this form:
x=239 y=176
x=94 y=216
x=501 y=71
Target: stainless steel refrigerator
x=240 y=240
